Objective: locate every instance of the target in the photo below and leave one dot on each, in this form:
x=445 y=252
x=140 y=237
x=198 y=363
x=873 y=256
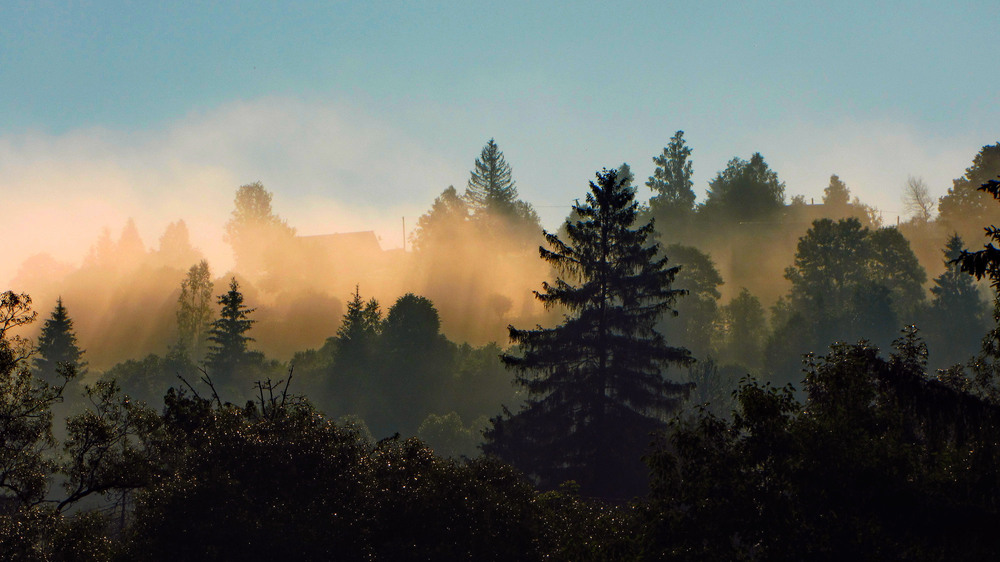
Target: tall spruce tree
x=491 y=187
x=958 y=312
x=492 y=195
x=228 y=351
x=671 y=181
x=57 y=347
x=595 y=382
x=355 y=341
x=349 y=385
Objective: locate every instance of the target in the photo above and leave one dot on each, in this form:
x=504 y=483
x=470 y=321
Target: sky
x=357 y=115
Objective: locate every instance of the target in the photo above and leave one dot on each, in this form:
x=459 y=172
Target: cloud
x=331 y=168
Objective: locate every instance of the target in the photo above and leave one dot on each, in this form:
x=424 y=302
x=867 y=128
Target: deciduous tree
x=194 y=312
x=745 y=191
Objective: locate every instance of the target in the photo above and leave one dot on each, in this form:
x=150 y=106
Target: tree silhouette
x=848 y=282
x=194 y=312
x=57 y=347
x=965 y=202
x=349 y=383
x=130 y=248
x=356 y=335
x=491 y=187
x=437 y=227
x=492 y=195
x=26 y=438
x=697 y=312
x=745 y=190
x=878 y=460
x=175 y=246
x=957 y=317
x=595 y=383
x=836 y=194
x=228 y=351
x=414 y=363
x=671 y=183
x=744 y=331
x=254 y=229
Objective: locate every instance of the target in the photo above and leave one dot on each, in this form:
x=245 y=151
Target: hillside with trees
x=743 y=378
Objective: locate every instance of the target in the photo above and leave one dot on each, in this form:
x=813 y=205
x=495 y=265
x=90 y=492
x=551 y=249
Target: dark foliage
x=57 y=347
x=277 y=480
x=745 y=191
x=228 y=354
x=956 y=319
x=673 y=197
x=594 y=382
x=847 y=281
x=965 y=201
x=881 y=462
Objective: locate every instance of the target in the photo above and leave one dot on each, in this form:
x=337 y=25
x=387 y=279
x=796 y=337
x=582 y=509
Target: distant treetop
x=745 y=190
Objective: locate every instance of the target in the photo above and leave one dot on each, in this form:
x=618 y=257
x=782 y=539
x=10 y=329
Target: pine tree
x=359 y=328
x=595 y=382
x=130 y=248
x=491 y=187
x=228 y=352
x=57 y=347
x=494 y=209
x=349 y=383
x=671 y=180
x=958 y=312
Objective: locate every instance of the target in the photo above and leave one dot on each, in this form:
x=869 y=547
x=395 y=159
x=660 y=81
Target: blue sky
x=355 y=114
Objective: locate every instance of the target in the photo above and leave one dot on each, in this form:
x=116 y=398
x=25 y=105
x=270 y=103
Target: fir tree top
x=57 y=347
x=491 y=187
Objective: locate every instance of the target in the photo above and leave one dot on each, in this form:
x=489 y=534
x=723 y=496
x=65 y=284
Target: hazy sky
x=355 y=114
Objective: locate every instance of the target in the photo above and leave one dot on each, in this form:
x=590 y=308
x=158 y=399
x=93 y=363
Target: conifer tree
x=671 y=180
x=357 y=333
x=57 y=347
x=228 y=351
x=491 y=187
x=348 y=382
x=958 y=312
x=595 y=382
x=130 y=247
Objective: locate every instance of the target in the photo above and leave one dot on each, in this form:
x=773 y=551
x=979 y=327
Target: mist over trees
x=741 y=335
